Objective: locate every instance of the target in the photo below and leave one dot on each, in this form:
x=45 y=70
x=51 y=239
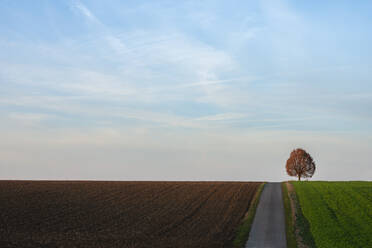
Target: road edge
x=244 y=229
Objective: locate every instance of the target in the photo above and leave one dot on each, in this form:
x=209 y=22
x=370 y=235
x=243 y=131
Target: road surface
x=268 y=228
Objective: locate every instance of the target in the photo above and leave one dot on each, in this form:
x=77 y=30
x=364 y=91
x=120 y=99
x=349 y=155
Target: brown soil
x=121 y=214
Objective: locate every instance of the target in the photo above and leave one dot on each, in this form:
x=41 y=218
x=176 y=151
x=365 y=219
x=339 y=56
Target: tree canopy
x=300 y=164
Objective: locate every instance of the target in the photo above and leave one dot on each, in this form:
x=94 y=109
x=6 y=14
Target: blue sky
x=190 y=90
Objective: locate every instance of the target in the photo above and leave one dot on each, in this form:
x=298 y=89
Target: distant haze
x=184 y=90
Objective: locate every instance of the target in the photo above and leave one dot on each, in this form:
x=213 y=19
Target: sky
x=184 y=90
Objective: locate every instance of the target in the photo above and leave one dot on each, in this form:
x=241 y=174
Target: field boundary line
x=244 y=229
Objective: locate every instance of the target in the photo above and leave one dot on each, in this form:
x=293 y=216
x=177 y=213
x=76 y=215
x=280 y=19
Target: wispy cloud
x=222 y=117
x=29 y=118
x=85 y=11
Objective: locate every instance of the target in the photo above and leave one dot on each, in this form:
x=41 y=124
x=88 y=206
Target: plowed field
x=121 y=214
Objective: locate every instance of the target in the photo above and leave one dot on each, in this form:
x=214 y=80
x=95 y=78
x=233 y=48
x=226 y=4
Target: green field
x=339 y=213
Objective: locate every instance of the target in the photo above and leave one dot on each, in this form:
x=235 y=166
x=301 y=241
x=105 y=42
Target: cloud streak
x=85 y=11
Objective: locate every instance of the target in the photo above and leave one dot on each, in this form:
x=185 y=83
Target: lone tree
x=300 y=164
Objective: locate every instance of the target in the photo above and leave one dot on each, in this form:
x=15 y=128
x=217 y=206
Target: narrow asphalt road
x=268 y=228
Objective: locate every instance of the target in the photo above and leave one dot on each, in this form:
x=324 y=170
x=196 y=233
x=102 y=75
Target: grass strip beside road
x=298 y=231
x=289 y=220
x=245 y=227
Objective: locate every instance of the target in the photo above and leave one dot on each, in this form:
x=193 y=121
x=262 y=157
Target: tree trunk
x=299 y=177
